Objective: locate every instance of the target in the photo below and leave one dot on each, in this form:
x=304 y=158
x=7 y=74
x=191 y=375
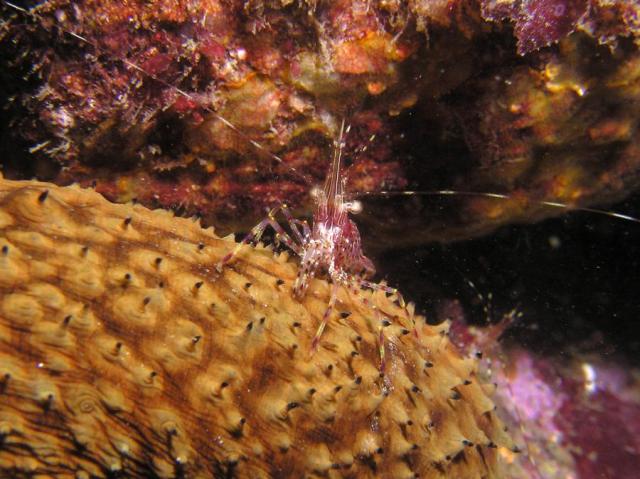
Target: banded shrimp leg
x=295 y=244
x=383 y=318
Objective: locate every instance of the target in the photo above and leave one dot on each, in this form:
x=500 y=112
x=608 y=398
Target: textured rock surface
x=122 y=351
x=538 y=99
x=540 y=23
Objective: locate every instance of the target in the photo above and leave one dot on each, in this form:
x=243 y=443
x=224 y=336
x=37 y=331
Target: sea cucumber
x=124 y=352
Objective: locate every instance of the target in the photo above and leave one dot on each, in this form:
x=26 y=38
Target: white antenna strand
x=178 y=90
x=501 y=196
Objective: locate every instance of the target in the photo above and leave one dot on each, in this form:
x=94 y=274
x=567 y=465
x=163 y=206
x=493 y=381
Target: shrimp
x=331 y=245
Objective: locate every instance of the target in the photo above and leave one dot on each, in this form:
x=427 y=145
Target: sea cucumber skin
x=114 y=363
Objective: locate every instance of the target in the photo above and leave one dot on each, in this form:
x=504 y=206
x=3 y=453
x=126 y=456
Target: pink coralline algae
x=574 y=416
x=539 y=23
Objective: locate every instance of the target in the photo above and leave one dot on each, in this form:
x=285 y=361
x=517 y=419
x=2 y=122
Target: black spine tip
x=43 y=196
x=5 y=249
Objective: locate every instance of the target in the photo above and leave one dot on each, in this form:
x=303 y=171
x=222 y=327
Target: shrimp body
x=333 y=244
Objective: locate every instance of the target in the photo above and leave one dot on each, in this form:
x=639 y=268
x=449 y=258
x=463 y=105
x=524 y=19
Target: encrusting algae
x=124 y=353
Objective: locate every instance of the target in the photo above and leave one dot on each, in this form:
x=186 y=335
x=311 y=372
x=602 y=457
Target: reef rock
x=124 y=352
x=537 y=99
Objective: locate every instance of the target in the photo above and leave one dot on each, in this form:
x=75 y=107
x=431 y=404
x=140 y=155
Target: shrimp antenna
x=180 y=91
x=501 y=196
x=332 y=187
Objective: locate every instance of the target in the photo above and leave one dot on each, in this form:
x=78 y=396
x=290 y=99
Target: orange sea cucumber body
x=123 y=351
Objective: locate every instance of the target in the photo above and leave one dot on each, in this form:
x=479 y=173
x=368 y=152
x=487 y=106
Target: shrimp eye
x=316 y=193
x=354 y=207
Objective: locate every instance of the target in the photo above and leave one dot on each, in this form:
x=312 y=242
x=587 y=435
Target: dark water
x=575 y=279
